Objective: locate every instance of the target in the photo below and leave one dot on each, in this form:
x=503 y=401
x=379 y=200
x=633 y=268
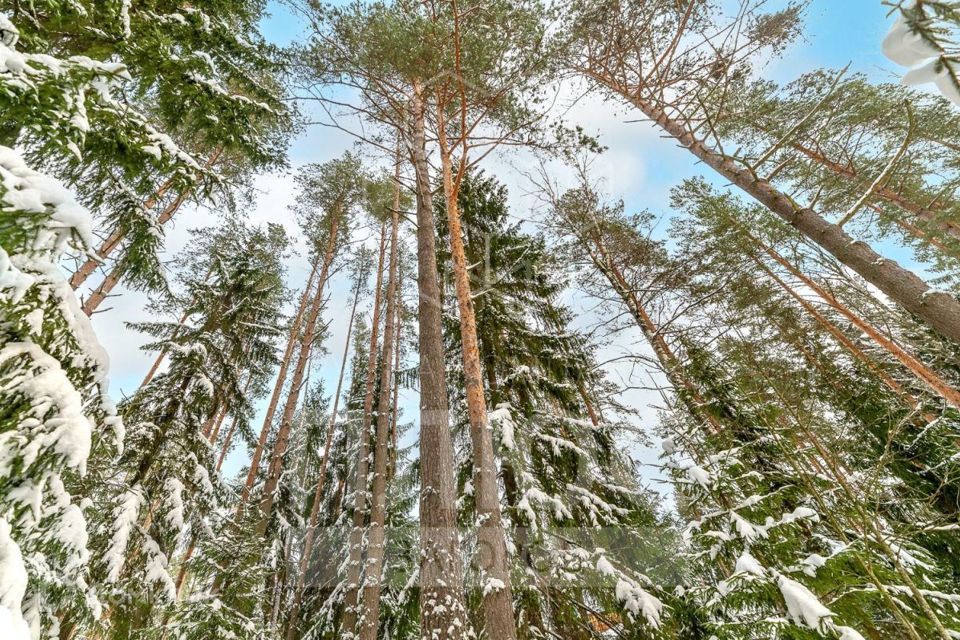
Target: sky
x=639 y=166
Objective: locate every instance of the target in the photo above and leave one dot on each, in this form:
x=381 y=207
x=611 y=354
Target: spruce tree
x=165 y=486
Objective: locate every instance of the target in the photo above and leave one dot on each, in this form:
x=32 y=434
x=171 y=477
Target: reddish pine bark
x=296 y=382
x=295 y=329
x=318 y=494
x=498 y=615
x=938 y=309
x=376 y=535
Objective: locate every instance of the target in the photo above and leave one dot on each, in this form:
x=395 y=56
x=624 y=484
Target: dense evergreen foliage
x=270 y=478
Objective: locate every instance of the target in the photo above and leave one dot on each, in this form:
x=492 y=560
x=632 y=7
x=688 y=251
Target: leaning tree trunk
x=112 y=279
x=296 y=382
x=376 y=535
x=318 y=494
x=295 y=329
x=354 y=564
x=926 y=214
x=596 y=249
x=116 y=236
x=923 y=373
x=498 y=615
x=938 y=309
x=442 y=612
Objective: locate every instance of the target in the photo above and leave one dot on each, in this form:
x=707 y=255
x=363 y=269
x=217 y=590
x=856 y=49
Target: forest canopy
x=340 y=320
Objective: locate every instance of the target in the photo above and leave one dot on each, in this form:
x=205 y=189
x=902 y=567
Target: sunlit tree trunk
x=491 y=539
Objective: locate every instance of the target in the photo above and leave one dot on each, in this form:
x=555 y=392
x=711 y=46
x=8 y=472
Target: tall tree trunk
x=376 y=535
x=497 y=592
x=594 y=246
x=355 y=562
x=324 y=462
x=939 y=309
x=926 y=214
x=296 y=382
x=116 y=236
x=848 y=344
x=395 y=408
x=917 y=368
x=442 y=612
x=295 y=330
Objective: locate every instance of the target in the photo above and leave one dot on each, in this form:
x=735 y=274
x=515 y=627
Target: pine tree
x=604 y=51
x=202 y=84
x=562 y=469
x=877 y=152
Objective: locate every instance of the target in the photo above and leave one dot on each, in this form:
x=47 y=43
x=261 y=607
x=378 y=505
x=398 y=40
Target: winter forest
x=480 y=319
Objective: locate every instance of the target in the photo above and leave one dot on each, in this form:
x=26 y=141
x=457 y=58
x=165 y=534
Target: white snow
x=909 y=49
x=746 y=563
x=492 y=585
x=804 y=607
x=125 y=517
x=502 y=418
x=934 y=71
x=13 y=585
x=905 y=47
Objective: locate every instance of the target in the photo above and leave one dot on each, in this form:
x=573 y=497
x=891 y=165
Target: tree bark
x=938 y=309
x=295 y=329
x=395 y=408
x=498 y=615
x=442 y=612
x=318 y=494
x=296 y=382
x=924 y=213
x=917 y=368
x=354 y=564
x=376 y=535
x=116 y=236
x=112 y=279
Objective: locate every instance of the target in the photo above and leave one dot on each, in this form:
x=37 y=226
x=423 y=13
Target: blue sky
x=639 y=167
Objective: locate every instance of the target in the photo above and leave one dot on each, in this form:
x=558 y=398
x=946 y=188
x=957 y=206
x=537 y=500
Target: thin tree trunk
x=324 y=462
x=395 y=409
x=442 y=612
x=924 y=213
x=376 y=535
x=296 y=383
x=938 y=309
x=605 y=263
x=112 y=279
x=355 y=562
x=182 y=574
x=212 y=429
x=920 y=370
x=295 y=329
x=839 y=336
x=498 y=615
x=227 y=440
x=116 y=236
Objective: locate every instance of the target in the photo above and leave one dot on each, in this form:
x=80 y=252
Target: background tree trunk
x=354 y=564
